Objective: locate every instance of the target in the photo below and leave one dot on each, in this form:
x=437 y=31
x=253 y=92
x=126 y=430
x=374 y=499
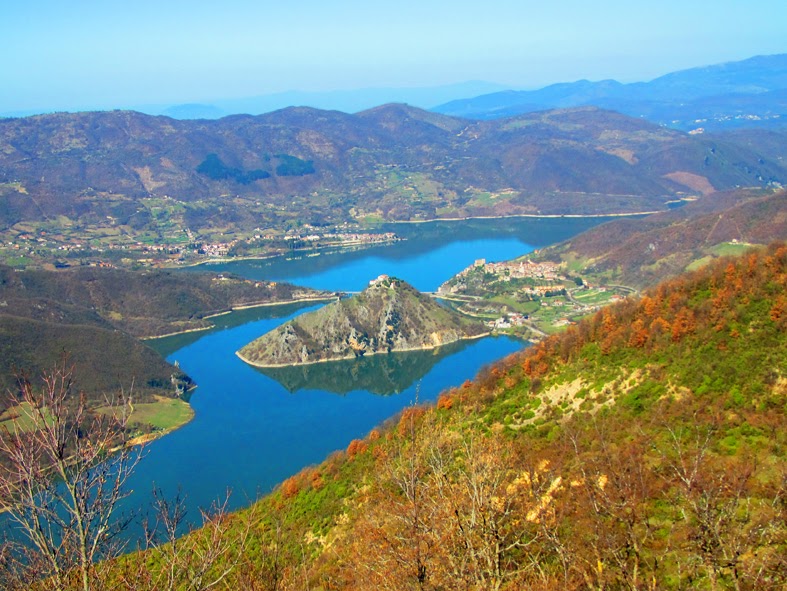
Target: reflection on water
x=383 y=374
x=249 y=433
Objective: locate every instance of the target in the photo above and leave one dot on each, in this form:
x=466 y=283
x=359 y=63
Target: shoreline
x=263 y=257
x=148 y=437
x=172 y=334
x=153 y=435
x=237 y=308
x=529 y=215
x=282 y=303
x=350 y=358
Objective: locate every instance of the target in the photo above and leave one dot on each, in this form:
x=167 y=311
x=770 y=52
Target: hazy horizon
x=98 y=55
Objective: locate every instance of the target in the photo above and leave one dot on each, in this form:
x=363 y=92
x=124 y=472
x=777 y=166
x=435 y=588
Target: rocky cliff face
x=389 y=315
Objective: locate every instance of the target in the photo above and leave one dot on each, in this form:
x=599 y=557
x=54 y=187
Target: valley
x=169 y=192
x=401 y=349
x=249 y=423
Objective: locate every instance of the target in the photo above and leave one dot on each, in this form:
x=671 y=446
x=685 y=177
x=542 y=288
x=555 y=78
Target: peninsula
x=390 y=315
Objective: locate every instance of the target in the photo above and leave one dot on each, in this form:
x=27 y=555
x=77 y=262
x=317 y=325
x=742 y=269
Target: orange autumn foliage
x=409 y=417
x=356 y=447
x=445 y=401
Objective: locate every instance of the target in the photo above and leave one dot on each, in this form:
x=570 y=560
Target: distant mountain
x=748 y=92
x=348 y=101
x=388 y=316
x=124 y=174
x=509 y=103
x=355 y=100
x=755 y=75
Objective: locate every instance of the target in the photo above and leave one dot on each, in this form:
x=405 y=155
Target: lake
x=429 y=254
x=254 y=428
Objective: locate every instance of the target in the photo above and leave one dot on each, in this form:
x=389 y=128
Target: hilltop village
x=524 y=296
x=506 y=271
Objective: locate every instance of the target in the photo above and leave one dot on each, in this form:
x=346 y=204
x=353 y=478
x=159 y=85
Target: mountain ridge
x=685 y=99
x=117 y=180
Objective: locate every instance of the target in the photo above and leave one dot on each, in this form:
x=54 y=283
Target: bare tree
x=451 y=511
x=487 y=506
x=199 y=560
x=62 y=474
x=734 y=527
x=611 y=500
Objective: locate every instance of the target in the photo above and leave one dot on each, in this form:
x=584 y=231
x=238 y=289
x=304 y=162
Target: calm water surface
x=250 y=432
x=253 y=430
x=429 y=254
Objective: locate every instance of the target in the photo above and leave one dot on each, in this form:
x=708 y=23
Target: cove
x=253 y=429
x=429 y=253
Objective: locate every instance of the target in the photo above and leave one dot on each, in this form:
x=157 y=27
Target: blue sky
x=116 y=53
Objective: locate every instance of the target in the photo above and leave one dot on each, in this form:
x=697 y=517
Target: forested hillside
x=644 y=251
x=94 y=316
x=642 y=449
x=102 y=178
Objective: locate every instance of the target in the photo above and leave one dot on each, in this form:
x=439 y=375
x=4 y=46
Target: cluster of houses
x=547 y=272
x=218 y=249
x=379 y=279
x=355 y=238
x=525 y=269
x=32 y=241
x=508 y=321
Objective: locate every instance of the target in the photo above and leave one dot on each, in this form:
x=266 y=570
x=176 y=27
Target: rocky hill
x=388 y=316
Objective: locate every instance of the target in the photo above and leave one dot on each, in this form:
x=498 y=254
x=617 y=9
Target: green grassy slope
x=643 y=449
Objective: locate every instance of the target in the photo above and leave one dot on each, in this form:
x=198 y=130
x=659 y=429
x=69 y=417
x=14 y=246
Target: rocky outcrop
x=389 y=315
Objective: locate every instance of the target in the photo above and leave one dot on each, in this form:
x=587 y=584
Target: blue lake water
x=251 y=432
x=429 y=254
